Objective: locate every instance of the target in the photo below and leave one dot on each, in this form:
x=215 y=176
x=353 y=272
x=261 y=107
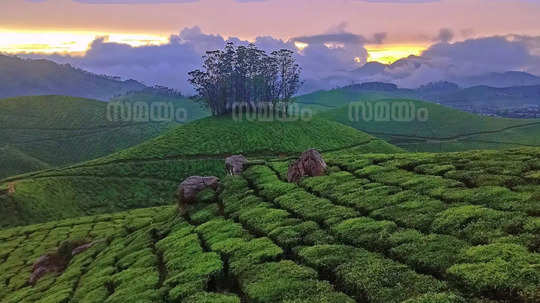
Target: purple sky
x=405 y=21
x=461 y=38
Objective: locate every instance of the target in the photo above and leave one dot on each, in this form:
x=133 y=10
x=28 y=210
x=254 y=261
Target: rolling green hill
x=60 y=130
x=151 y=96
x=325 y=100
x=441 y=129
x=380 y=228
x=147 y=174
x=14 y=162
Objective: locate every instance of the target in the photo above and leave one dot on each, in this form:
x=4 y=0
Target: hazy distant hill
x=479 y=96
x=447 y=93
x=505 y=79
x=28 y=77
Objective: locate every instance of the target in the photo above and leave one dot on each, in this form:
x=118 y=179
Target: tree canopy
x=246 y=77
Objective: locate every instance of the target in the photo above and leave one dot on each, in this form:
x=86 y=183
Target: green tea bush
x=380 y=280
x=437 y=298
x=432 y=254
x=365 y=232
x=499 y=198
x=434 y=169
x=206 y=297
x=477 y=224
x=286 y=281
x=416 y=214
x=508 y=270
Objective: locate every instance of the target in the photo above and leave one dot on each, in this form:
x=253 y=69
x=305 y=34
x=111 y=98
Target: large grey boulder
x=310 y=164
x=235 y=165
x=187 y=190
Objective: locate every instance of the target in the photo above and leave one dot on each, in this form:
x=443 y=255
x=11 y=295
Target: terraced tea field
x=147 y=175
x=451 y=227
x=47 y=131
x=443 y=129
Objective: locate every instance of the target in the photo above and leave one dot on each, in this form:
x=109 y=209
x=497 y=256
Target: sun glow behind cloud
x=382 y=53
x=78 y=42
x=390 y=53
x=67 y=42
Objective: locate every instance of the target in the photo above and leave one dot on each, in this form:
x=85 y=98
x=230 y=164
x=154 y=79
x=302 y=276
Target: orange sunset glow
x=78 y=42
x=71 y=42
x=390 y=53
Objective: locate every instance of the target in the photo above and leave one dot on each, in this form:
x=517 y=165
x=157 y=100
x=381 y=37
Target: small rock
x=235 y=165
x=11 y=188
x=56 y=261
x=190 y=187
x=310 y=164
x=82 y=248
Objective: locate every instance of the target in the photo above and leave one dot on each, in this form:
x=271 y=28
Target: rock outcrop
x=235 y=165
x=190 y=187
x=310 y=164
x=57 y=261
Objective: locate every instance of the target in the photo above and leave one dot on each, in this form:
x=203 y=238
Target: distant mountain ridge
x=451 y=94
x=500 y=80
x=30 y=77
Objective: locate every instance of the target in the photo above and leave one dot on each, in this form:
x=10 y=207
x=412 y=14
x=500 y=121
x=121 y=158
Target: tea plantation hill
x=14 y=161
x=147 y=174
x=191 y=109
x=445 y=129
x=43 y=131
x=379 y=228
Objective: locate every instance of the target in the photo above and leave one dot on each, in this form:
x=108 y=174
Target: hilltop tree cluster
x=246 y=77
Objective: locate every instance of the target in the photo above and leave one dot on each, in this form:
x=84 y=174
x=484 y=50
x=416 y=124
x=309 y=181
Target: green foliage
x=143 y=176
x=478 y=224
x=224 y=135
x=206 y=297
x=380 y=280
x=437 y=298
x=80 y=196
x=286 y=281
x=377 y=228
x=445 y=130
x=493 y=197
x=416 y=214
x=15 y=162
x=366 y=232
x=245 y=75
x=43 y=131
x=432 y=253
x=508 y=270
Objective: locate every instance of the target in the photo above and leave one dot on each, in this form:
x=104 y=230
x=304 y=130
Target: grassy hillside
x=151 y=96
x=147 y=174
x=381 y=228
x=14 y=162
x=445 y=129
x=217 y=136
x=59 y=130
x=321 y=101
x=445 y=93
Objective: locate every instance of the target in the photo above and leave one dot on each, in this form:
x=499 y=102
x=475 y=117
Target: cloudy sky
x=159 y=41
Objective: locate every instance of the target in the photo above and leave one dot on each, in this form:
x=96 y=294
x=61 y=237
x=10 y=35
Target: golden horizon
x=78 y=42
x=390 y=53
x=68 y=42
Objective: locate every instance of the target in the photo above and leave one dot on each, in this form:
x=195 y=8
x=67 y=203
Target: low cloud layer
x=169 y=64
x=460 y=60
x=331 y=59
